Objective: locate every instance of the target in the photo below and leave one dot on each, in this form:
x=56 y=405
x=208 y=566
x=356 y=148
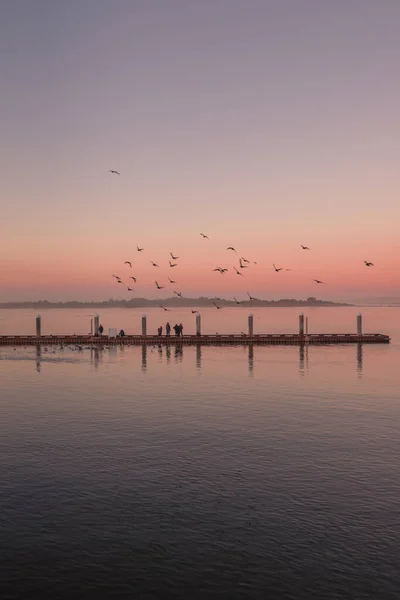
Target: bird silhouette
x=116 y=277
x=304 y=247
x=119 y=281
x=244 y=259
x=139 y=249
x=368 y=264
x=277 y=270
x=172 y=264
x=134 y=278
x=163 y=307
x=128 y=263
x=174 y=257
x=205 y=236
x=237 y=301
x=317 y=281
x=231 y=248
x=216 y=305
x=130 y=289
x=238 y=272
x=178 y=294
x=171 y=280
x=250 y=297
x=220 y=270
x=194 y=311
x=115 y=172
x=154 y=264
x=159 y=287
x=242 y=266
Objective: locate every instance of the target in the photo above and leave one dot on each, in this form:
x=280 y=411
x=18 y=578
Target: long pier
x=264 y=339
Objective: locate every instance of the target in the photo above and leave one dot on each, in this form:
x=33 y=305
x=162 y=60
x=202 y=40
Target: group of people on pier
x=177 y=328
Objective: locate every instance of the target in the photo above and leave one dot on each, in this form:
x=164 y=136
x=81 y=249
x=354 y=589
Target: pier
x=300 y=338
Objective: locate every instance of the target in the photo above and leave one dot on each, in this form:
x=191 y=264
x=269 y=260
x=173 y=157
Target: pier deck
x=213 y=340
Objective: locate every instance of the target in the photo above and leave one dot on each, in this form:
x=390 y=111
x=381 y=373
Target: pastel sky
x=265 y=124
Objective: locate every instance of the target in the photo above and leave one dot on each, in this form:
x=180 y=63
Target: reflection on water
x=164 y=353
x=359 y=360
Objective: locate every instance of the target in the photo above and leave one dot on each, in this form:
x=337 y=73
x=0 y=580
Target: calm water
x=265 y=472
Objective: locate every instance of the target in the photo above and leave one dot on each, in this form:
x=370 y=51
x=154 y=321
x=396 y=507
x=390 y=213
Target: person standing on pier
x=176 y=329
x=101 y=329
x=159 y=330
x=168 y=329
x=180 y=329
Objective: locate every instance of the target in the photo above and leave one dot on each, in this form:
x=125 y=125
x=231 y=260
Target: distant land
x=170 y=303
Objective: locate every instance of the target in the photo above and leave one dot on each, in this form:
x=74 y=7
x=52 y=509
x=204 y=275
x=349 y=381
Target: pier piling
x=198 y=324
x=96 y=324
x=144 y=325
x=250 y=324
x=38 y=326
x=359 y=324
x=301 y=324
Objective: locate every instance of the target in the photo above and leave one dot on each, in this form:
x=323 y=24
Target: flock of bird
x=243 y=263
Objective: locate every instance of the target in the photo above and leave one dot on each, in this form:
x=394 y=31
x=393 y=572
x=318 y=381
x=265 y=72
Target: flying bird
x=245 y=259
x=134 y=278
x=194 y=311
x=116 y=277
x=128 y=263
x=130 y=289
x=368 y=264
x=172 y=264
x=139 y=249
x=119 y=281
x=171 y=280
x=231 y=248
x=304 y=247
x=317 y=281
x=220 y=270
x=163 y=307
x=174 y=257
x=178 y=294
x=237 y=301
x=115 y=172
x=205 y=236
x=238 y=272
x=216 y=305
x=154 y=264
x=277 y=270
x=250 y=297
x=242 y=266
x=159 y=287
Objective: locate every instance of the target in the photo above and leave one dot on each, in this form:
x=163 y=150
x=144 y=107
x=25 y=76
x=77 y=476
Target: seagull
x=119 y=281
x=250 y=297
x=242 y=266
x=220 y=270
x=238 y=272
x=277 y=270
x=237 y=301
x=231 y=248
x=116 y=277
x=368 y=264
x=205 y=236
x=178 y=294
x=304 y=247
x=216 y=306
x=163 y=307
x=130 y=289
x=172 y=264
x=134 y=278
x=245 y=260
x=317 y=281
x=139 y=249
x=174 y=257
x=171 y=280
x=194 y=311
x=115 y=172
x=128 y=263
x=159 y=287
x=154 y=264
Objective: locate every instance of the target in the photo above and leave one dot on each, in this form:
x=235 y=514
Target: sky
x=265 y=124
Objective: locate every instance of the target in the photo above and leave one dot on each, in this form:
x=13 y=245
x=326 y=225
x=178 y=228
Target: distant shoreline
x=176 y=303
